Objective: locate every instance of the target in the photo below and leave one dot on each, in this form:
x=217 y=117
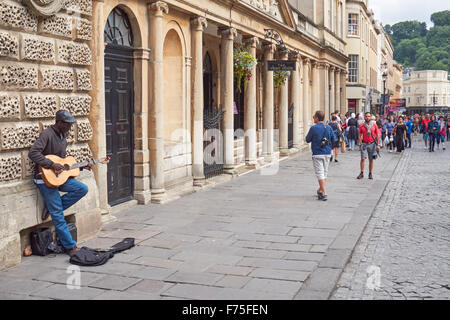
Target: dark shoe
x=45 y=213
x=331 y=159
x=324 y=197
x=361 y=175
x=370 y=176
x=335 y=160
x=69 y=252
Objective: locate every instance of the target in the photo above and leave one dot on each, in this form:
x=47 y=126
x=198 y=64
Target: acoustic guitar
x=71 y=169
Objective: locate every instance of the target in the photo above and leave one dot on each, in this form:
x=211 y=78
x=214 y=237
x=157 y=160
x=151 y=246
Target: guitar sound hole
x=66 y=167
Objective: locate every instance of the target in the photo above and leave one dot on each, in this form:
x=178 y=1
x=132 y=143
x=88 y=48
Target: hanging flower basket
x=244 y=63
x=279 y=77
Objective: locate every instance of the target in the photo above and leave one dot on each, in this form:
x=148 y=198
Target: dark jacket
x=50 y=141
x=433 y=127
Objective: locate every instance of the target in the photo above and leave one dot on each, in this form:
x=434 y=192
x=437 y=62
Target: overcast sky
x=393 y=11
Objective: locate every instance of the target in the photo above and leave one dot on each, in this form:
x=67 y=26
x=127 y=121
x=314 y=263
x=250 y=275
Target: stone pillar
x=326 y=90
x=332 y=88
x=156 y=134
x=268 y=105
x=250 y=110
x=198 y=25
x=337 y=89
x=295 y=78
x=316 y=105
x=284 y=112
x=97 y=114
x=142 y=191
x=306 y=105
x=226 y=96
x=344 y=105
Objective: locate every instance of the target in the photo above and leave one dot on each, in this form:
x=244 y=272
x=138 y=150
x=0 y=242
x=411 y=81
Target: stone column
x=198 y=25
x=315 y=88
x=156 y=134
x=344 y=105
x=268 y=105
x=332 y=88
x=295 y=78
x=306 y=104
x=326 y=90
x=284 y=112
x=97 y=115
x=142 y=191
x=337 y=90
x=226 y=96
x=250 y=110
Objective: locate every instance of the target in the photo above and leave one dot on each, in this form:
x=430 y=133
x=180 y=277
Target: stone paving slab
x=253 y=237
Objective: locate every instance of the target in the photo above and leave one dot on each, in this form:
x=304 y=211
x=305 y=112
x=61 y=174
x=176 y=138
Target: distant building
x=427 y=89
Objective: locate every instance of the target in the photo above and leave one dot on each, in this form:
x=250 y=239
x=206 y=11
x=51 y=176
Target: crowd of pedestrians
x=370 y=133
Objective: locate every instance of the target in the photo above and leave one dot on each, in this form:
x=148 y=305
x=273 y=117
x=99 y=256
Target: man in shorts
x=321 y=137
x=369 y=139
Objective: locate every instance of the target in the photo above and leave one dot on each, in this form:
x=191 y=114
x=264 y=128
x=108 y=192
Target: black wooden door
x=119 y=122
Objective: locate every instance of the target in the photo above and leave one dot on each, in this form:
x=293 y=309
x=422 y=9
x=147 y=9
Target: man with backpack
x=321 y=137
x=369 y=139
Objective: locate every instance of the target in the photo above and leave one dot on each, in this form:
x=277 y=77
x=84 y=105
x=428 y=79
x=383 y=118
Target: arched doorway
x=212 y=117
x=119 y=106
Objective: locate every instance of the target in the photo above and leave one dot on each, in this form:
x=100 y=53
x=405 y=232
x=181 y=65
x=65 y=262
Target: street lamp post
x=384 y=91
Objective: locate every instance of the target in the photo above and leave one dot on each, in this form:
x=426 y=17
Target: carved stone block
x=74 y=53
x=84 y=29
x=81 y=6
x=9 y=106
x=83 y=80
x=84 y=130
x=57 y=78
x=37 y=48
x=81 y=152
x=18 y=135
x=60 y=25
x=28 y=165
x=10 y=167
x=9 y=45
x=18 y=76
x=15 y=15
x=78 y=105
x=40 y=105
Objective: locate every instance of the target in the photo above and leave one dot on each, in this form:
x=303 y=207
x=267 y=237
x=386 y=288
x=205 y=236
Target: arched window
x=118 y=29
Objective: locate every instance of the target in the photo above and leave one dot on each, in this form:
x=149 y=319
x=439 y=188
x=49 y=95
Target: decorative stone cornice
x=269 y=47
x=251 y=41
x=227 y=33
x=306 y=60
x=44 y=8
x=199 y=23
x=294 y=55
x=332 y=68
x=158 y=8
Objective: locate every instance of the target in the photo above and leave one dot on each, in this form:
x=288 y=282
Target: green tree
x=441 y=18
x=408 y=49
x=409 y=30
x=438 y=36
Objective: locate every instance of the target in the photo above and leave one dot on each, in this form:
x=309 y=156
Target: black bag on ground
x=40 y=240
x=96 y=257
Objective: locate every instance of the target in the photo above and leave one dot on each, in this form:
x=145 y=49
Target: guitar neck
x=84 y=164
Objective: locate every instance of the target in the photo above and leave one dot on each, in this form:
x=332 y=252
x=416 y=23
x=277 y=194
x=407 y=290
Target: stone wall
x=44 y=67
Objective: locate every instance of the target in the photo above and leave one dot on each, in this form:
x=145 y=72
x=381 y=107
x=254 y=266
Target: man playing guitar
x=52 y=141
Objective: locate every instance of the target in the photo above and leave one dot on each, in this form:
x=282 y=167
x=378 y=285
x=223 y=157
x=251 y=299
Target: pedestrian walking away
x=321 y=137
x=424 y=129
x=369 y=139
x=337 y=130
x=441 y=132
x=352 y=124
x=409 y=131
x=400 y=135
x=433 y=130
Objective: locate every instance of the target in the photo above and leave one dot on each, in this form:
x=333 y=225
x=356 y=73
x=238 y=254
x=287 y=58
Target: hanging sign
x=281 y=65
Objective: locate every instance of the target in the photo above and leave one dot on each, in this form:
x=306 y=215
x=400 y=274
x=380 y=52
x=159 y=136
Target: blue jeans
x=351 y=144
x=57 y=204
x=432 y=138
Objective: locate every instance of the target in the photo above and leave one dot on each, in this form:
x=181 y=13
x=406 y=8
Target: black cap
x=65 y=116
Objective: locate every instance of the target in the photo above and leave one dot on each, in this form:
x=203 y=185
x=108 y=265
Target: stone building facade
x=147 y=81
x=427 y=88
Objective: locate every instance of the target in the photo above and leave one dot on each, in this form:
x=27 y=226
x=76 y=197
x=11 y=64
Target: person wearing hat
x=52 y=141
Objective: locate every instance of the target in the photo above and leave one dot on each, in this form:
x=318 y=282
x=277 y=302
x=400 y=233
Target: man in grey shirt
x=53 y=141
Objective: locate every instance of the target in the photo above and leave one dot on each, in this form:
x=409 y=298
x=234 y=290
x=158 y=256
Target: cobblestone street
x=408 y=236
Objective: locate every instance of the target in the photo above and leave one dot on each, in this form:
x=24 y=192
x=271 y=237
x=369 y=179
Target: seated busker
x=52 y=141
